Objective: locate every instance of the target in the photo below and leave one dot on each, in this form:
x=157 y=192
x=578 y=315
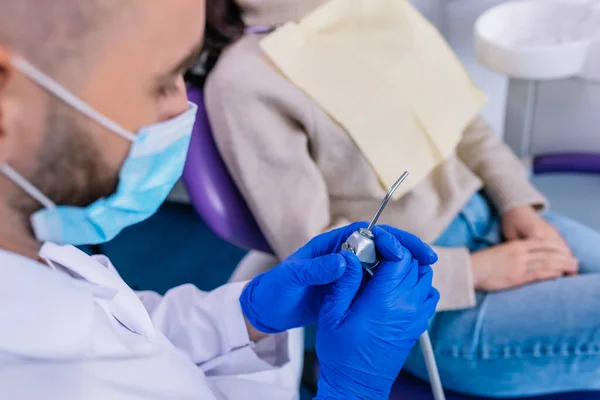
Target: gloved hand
x=366 y=330
x=290 y=295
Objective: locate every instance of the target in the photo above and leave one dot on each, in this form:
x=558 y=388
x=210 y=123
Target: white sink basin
x=536 y=39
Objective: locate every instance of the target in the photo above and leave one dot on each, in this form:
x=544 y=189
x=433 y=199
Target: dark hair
x=223 y=25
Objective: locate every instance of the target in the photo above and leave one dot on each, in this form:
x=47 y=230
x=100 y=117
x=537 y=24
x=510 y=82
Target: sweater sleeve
x=260 y=127
x=453 y=277
x=505 y=179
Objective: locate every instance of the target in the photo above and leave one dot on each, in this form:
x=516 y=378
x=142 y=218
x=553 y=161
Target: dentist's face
x=134 y=81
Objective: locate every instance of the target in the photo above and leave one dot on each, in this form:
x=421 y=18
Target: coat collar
x=37 y=309
x=46 y=314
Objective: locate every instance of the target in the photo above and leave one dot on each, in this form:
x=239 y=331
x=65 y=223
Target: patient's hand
x=525 y=223
x=519 y=262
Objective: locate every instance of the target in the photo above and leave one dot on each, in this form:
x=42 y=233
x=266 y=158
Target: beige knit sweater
x=301 y=174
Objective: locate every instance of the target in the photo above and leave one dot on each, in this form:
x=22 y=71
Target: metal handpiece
x=386 y=199
x=361 y=242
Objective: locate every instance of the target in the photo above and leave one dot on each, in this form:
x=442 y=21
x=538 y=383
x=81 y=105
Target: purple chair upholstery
x=588 y=163
x=216 y=198
x=408 y=387
x=212 y=192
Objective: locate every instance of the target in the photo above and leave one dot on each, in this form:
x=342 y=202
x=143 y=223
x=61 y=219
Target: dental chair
x=218 y=201
x=553 y=100
x=564 y=161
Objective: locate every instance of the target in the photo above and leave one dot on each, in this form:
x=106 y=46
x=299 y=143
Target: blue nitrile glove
x=290 y=295
x=365 y=335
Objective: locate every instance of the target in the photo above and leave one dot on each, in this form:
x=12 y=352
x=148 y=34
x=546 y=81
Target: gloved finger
x=342 y=293
x=422 y=288
x=316 y=271
x=327 y=243
x=424 y=270
x=388 y=246
x=413 y=277
x=420 y=250
x=431 y=302
x=390 y=274
x=426 y=311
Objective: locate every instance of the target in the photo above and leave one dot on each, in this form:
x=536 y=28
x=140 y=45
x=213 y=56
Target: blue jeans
x=538 y=339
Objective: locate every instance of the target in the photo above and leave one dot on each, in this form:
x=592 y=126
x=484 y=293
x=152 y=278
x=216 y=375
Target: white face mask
x=153 y=166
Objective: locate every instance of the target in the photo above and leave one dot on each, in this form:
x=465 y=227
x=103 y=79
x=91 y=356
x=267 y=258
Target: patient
x=520 y=303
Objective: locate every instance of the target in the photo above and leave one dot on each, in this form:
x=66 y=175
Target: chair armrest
x=587 y=163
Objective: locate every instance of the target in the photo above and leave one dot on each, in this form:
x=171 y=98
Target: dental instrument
x=361 y=243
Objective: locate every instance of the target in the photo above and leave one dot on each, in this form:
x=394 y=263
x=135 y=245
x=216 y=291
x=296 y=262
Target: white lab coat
x=79 y=332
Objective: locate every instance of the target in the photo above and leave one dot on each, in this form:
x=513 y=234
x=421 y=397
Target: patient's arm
x=262 y=130
x=504 y=176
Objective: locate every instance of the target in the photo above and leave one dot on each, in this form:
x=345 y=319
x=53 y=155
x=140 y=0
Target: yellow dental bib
x=387 y=76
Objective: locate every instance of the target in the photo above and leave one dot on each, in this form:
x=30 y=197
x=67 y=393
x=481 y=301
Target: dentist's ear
x=6 y=74
x=6 y=68
x=174 y=104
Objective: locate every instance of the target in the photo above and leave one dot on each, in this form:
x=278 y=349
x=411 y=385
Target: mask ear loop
x=27 y=187
x=69 y=98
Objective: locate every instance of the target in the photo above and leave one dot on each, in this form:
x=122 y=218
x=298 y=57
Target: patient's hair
x=223 y=25
x=52 y=33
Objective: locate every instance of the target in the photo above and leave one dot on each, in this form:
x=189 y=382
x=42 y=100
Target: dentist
x=94 y=129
